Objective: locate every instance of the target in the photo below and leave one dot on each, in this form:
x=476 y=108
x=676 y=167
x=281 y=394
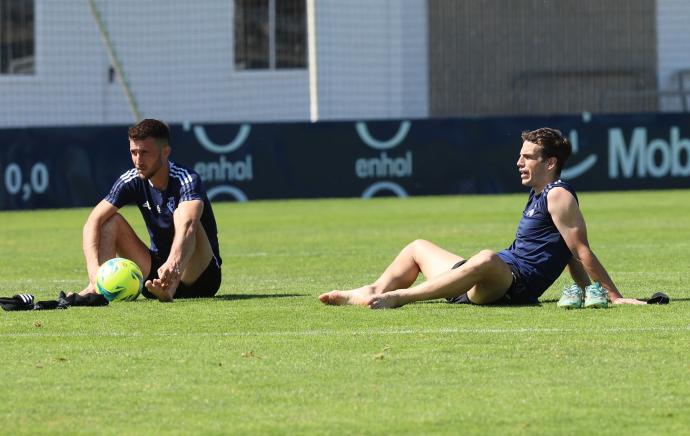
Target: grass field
x=266 y=357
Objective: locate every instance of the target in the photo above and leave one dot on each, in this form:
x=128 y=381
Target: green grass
x=267 y=357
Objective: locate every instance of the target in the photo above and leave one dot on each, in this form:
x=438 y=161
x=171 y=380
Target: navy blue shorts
x=516 y=295
x=205 y=286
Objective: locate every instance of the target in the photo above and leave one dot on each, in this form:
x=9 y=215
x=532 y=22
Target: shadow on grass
x=232 y=297
x=672 y=300
x=480 y=305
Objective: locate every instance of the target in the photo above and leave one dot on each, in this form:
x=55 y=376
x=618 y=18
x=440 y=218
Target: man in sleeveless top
x=183 y=260
x=550 y=237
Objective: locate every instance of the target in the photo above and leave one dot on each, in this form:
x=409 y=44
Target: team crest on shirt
x=171 y=204
x=530 y=213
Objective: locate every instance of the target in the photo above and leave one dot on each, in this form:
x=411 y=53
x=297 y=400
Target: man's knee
x=484 y=259
x=419 y=245
x=486 y=263
x=492 y=275
x=112 y=224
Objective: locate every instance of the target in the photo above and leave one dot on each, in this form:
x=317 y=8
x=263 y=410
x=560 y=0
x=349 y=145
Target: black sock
x=17 y=302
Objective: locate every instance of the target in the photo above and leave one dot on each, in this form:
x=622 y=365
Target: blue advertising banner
x=67 y=167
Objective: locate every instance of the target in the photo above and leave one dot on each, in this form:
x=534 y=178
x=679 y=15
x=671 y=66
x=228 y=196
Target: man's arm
x=91 y=236
x=569 y=221
x=578 y=273
x=187 y=219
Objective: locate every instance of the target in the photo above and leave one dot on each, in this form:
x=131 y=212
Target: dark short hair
x=552 y=143
x=150 y=128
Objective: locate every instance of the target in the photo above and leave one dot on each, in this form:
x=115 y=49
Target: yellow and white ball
x=119 y=279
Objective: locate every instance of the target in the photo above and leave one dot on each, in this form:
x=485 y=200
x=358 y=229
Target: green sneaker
x=571 y=298
x=596 y=296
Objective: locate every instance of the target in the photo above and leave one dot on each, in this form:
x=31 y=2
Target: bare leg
x=118 y=238
x=418 y=256
x=198 y=262
x=485 y=277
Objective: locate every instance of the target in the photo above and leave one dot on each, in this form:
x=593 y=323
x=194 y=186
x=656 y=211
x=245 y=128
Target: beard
x=147 y=172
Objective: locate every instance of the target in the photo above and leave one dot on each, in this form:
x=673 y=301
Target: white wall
x=673 y=39
x=372 y=59
x=181 y=68
x=70 y=71
x=178 y=59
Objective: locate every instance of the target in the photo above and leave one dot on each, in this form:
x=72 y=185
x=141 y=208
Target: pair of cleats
x=594 y=296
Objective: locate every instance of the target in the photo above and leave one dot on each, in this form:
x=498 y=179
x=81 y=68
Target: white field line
x=366 y=332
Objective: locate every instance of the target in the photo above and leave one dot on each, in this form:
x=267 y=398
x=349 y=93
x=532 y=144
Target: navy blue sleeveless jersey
x=157 y=207
x=539 y=254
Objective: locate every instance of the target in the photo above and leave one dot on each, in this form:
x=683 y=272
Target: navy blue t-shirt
x=157 y=207
x=539 y=252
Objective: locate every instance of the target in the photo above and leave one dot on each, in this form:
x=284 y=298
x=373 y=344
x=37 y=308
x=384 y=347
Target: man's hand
x=166 y=284
x=186 y=218
x=169 y=273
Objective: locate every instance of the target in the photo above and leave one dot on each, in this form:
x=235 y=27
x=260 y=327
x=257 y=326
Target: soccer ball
x=119 y=279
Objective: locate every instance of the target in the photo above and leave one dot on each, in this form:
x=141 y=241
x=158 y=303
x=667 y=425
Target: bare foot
x=356 y=297
x=389 y=300
x=164 y=294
